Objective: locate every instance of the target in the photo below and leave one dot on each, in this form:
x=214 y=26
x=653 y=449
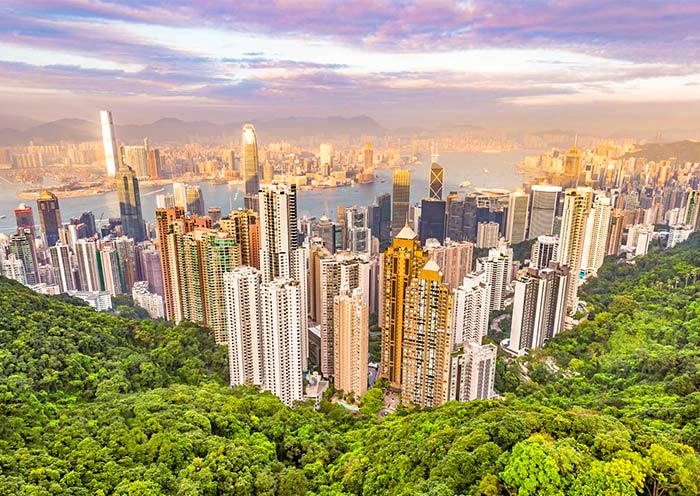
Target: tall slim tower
x=249 y=166
x=368 y=156
x=110 y=142
x=129 y=196
x=596 y=237
x=472 y=300
x=244 y=227
x=402 y=262
x=63 y=267
x=165 y=217
x=49 y=217
x=400 y=199
x=517 y=217
x=544 y=203
x=245 y=341
x=577 y=205
x=279 y=231
x=351 y=328
x=437 y=180
x=426 y=339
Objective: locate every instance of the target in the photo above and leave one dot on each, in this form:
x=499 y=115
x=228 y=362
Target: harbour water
x=481 y=170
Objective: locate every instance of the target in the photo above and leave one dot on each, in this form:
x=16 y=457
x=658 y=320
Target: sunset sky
x=535 y=64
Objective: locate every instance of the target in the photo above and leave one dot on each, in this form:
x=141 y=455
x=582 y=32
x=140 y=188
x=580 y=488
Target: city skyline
x=495 y=64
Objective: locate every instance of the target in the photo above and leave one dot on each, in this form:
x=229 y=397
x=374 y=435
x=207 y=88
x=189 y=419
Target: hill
x=171 y=130
x=99 y=404
x=684 y=151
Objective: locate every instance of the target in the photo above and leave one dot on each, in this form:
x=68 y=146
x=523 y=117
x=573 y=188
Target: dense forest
x=98 y=404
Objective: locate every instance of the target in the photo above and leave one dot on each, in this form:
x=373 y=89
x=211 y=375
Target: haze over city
x=504 y=65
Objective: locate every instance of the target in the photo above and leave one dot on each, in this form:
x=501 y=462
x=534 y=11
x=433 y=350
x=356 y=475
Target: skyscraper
x=49 y=217
x=544 y=205
x=110 y=143
x=136 y=157
x=577 y=205
x=384 y=233
x=165 y=217
x=129 y=196
x=368 y=156
x=516 y=229
x=351 y=328
x=400 y=199
x=487 y=234
x=23 y=248
x=357 y=231
x=194 y=201
x=402 y=262
x=249 y=166
x=539 y=307
x=426 y=339
x=432 y=220
x=24 y=218
x=617 y=227
x=437 y=179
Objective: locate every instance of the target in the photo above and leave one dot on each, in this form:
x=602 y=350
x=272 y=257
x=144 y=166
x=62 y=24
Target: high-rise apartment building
x=577 y=206
x=617 y=228
x=151 y=302
x=498 y=269
x=109 y=142
x=244 y=227
x=544 y=209
x=518 y=209
x=279 y=231
x=246 y=348
x=544 y=250
x=487 y=234
x=283 y=330
x=250 y=169
x=129 y=196
x=426 y=339
x=89 y=270
x=23 y=248
x=539 y=307
x=454 y=259
x=64 y=273
x=194 y=201
x=357 y=232
x=400 y=200
x=351 y=334
x=470 y=318
x=402 y=262
x=165 y=217
x=49 y=217
x=472 y=372
x=596 y=236
x=111 y=270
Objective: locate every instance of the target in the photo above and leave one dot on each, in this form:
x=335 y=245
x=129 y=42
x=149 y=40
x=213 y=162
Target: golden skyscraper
x=399 y=198
x=426 y=339
x=244 y=227
x=402 y=262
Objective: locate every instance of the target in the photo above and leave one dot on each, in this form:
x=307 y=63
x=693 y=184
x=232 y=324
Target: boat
x=491 y=150
x=3 y=216
x=465 y=184
x=486 y=171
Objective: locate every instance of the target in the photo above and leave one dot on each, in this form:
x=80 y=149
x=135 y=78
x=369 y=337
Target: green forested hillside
x=98 y=404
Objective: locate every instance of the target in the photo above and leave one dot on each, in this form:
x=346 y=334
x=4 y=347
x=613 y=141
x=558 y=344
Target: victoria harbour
x=480 y=170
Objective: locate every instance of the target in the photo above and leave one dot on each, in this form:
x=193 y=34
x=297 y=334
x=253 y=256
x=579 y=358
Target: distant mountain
x=176 y=130
x=18 y=122
x=52 y=132
x=685 y=151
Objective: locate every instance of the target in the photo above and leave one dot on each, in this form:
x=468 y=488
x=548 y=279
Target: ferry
x=465 y=184
x=491 y=150
x=487 y=172
x=3 y=216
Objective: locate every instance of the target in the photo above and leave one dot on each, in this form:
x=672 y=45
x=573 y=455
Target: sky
x=502 y=64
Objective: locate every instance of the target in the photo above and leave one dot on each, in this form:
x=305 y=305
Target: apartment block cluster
x=289 y=296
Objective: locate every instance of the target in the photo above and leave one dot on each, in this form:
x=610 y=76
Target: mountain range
x=176 y=130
